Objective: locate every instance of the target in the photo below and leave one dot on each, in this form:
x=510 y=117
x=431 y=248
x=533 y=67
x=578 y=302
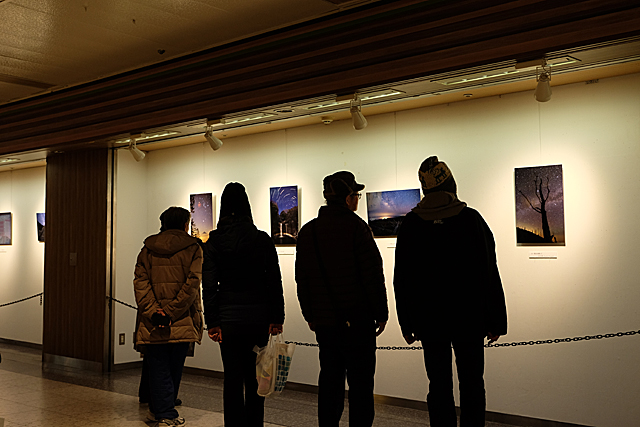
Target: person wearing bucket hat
x=448 y=294
x=342 y=294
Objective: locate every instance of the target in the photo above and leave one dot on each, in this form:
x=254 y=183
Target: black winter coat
x=353 y=267
x=446 y=276
x=241 y=281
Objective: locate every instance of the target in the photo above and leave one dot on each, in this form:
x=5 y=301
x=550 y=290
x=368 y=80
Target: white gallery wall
x=591 y=288
x=22 y=263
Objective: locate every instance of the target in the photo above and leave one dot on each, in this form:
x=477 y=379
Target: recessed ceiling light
x=146 y=137
x=505 y=71
x=247 y=118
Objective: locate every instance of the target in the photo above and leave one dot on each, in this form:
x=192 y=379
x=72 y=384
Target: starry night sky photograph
x=539 y=193
x=284 y=214
x=40 y=224
x=285 y=197
x=201 y=215
x=385 y=210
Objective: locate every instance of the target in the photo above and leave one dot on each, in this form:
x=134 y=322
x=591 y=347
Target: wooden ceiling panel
x=382 y=44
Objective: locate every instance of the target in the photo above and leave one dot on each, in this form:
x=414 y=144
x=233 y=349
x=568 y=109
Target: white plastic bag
x=272 y=365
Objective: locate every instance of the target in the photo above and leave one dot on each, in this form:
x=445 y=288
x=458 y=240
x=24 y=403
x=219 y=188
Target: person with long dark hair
x=243 y=302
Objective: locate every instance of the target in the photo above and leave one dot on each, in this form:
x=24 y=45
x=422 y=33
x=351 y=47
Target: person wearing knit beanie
x=448 y=294
x=439 y=189
x=436 y=176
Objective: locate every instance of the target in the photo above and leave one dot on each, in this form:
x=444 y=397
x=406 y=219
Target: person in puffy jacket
x=449 y=294
x=243 y=302
x=167 y=290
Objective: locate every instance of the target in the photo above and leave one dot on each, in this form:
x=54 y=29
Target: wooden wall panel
x=75 y=296
x=380 y=43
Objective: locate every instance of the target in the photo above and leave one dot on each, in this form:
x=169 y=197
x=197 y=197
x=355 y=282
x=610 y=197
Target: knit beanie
x=436 y=176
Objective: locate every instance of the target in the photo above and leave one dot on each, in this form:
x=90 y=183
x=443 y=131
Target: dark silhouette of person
x=243 y=302
x=449 y=294
x=342 y=294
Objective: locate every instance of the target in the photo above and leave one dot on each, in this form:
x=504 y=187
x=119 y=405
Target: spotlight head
x=214 y=142
x=543 y=89
x=359 y=121
x=137 y=154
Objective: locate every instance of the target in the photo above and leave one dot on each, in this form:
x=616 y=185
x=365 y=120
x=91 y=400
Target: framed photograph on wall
x=386 y=209
x=5 y=228
x=40 y=224
x=284 y=214
x=539 y=206
x=201 y=206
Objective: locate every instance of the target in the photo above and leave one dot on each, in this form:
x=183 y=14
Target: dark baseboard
x=21 y=343
x=56 y=361
x=519 y=420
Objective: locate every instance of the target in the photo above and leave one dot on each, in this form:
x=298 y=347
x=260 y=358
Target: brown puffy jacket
x=167 y=276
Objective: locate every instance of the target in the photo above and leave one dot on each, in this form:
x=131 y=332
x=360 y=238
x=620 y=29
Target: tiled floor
x=33 y=396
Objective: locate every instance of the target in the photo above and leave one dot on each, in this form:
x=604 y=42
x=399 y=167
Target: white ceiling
x=56 y=43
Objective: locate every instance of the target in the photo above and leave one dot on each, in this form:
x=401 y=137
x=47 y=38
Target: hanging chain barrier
x=506 y=344
x=496 y=344
x=24 y=299
x=120 y=302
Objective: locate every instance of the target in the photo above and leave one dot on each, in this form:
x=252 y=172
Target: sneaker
x=166 y=422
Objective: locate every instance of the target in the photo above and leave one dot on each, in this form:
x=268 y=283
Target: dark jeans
x=242 y=405
x=165 y=363
x=469 y=351
x=144 y=393
x=346 y=352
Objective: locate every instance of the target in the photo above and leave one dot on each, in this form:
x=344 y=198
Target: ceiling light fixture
x=145 y=137
x=543 y=89
x=509 y=71
x=359 y=121
x=245 y=119
x=137 y=154
x=341 y=100
x=214 y=142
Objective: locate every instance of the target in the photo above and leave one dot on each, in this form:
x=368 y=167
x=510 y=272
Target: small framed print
x=5 y=228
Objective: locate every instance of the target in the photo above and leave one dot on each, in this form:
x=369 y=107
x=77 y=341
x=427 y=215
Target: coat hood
x=169 y=242
x=235 y=235
x=439 y=205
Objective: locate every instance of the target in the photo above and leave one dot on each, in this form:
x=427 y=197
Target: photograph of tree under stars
x=284 y=214
x=386 y=209
x=201 y=215
x=539 y=206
